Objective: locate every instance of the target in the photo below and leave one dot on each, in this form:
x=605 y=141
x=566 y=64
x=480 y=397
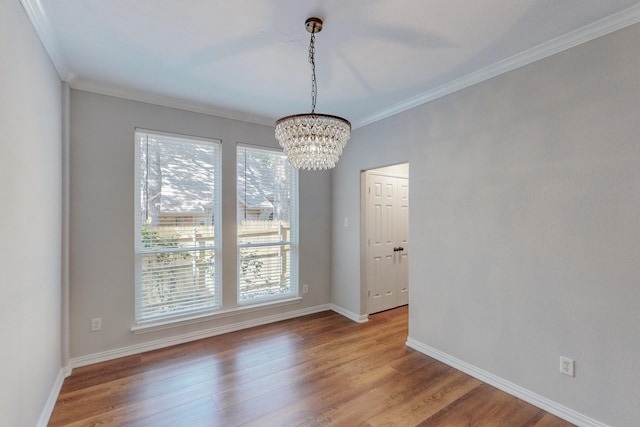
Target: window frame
x=293 y=242
x=140 y=250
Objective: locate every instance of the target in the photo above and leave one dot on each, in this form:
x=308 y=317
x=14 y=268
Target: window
x=177 y=226
x=267 y=226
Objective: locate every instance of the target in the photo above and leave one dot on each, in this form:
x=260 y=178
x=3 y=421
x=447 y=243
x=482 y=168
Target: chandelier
x=313 y=141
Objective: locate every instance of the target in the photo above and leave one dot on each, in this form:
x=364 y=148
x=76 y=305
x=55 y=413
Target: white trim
x=360 y=318
x=277 y=149
x=51 y=400
x=198 y=318
x=43 y=28
x=506 y=386
x=193 y=336
x=66 y=209
x=180 y=136
x=387 y=174
x=171 y=102
x=574 y=38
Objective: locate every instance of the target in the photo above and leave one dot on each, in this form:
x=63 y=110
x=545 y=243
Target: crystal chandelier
x=313 y=141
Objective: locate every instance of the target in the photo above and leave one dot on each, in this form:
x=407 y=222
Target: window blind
x=267 y=189
x=177 y=225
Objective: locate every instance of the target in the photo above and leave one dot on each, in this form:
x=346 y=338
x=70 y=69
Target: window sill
x=205 y=317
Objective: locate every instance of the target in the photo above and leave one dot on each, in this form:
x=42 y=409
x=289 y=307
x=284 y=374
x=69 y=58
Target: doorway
x=384 y=208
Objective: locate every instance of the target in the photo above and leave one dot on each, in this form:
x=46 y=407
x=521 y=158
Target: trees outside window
x=177 y=227
x=267 y=225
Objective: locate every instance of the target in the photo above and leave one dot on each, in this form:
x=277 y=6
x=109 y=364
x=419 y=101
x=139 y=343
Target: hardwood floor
x=317 y=370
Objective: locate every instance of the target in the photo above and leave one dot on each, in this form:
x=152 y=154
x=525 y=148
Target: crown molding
x=171 y=102
x=574 y=38
x=43 y=28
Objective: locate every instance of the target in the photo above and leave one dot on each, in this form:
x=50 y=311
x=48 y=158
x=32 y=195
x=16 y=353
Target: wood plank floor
x=317 y=370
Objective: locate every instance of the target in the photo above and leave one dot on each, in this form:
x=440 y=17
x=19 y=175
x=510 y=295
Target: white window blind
x=267 y=225
x=177 y=226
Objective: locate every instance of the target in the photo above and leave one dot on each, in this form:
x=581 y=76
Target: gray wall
x=30 y=214
x=370 y=147
x=102 y=215
x=524 y=220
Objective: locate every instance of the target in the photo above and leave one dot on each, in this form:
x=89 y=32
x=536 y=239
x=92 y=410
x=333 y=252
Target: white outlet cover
x=96 y=324
x=567 y=366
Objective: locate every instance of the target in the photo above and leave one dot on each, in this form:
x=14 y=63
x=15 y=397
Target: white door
x=387 y=254
x=402 y=237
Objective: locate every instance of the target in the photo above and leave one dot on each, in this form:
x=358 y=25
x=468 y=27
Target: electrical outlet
x=567 y=366
x=96 y=324
x=305 y=289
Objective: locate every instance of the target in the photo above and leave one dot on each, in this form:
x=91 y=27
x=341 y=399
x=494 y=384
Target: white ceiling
x=247 y=59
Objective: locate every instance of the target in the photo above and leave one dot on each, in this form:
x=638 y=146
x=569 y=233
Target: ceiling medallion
x=313 y=141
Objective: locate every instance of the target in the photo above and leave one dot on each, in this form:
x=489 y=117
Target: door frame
x=364 y=247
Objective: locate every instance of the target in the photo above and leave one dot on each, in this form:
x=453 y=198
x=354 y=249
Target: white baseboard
x=51 y=400
x=350 y=314
x=506 y=386
x=193 y=336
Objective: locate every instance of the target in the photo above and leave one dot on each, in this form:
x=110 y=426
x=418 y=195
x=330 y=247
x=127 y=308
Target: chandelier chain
x=312 y=61
x=313 y=141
